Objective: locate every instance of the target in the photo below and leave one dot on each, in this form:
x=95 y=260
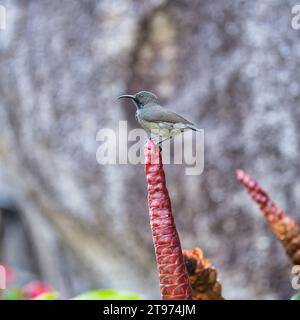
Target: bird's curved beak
x=127 y=96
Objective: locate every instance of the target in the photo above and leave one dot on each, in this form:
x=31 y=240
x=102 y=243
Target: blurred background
x=230 y=66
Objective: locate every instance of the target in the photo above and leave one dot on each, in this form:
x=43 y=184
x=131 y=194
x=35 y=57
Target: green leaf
x=13 y=294
x=107 y=295
x=296 y=296
x=47 y=296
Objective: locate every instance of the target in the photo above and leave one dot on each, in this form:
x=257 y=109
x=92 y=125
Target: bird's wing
x=159 y=114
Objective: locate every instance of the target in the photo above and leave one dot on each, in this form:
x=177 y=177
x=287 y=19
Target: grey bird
x=160 y=124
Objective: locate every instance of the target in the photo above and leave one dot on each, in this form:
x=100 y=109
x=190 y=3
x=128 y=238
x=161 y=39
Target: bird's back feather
x=157 y=113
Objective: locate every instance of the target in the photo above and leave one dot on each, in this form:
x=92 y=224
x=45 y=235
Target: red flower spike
x=285 y=228
x=173 y=277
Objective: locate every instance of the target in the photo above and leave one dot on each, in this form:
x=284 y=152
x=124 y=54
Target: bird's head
x=142 y=99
